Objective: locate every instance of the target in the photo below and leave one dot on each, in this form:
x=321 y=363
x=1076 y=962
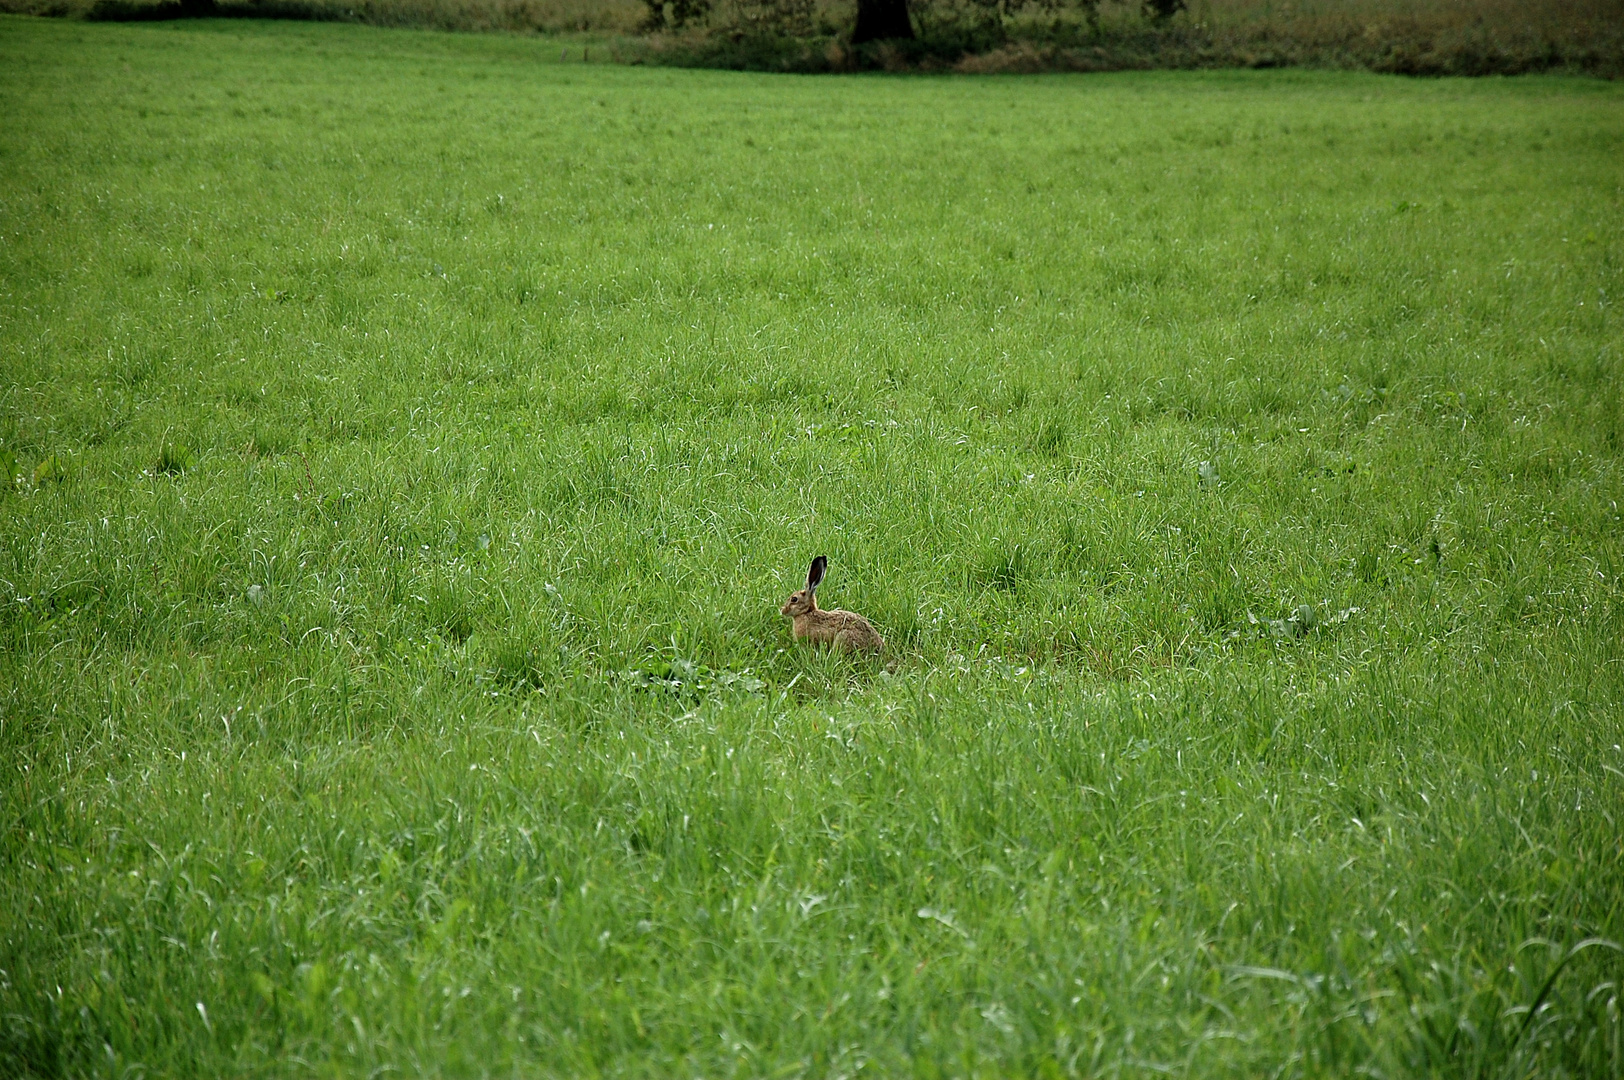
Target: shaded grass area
x=559 y=17
x=410 y=439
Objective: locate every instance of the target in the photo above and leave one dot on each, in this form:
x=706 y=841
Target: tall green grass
x=413 y=437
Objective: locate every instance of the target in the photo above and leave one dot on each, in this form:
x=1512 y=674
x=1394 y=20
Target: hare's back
x=854 y=631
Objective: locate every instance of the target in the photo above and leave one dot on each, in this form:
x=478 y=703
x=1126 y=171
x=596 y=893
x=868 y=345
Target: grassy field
x=414 y=436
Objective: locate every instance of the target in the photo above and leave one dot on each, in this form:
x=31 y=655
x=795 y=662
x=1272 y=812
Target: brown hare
x=844 y=630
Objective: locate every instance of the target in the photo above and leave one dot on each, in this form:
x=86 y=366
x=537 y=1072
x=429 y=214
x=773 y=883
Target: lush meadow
x=411 y=438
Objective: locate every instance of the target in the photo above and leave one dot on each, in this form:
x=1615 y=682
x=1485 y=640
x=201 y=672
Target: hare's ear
x=815 y=574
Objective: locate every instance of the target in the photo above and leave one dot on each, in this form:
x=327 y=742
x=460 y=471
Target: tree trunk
x=878 y=20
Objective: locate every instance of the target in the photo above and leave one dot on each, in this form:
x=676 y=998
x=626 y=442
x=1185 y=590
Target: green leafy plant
x=173 y=459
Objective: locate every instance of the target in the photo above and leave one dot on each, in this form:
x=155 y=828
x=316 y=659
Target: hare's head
x=805 y=600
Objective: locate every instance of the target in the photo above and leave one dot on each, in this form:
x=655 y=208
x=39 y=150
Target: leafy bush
x=1430 y=37
x=1440 y=37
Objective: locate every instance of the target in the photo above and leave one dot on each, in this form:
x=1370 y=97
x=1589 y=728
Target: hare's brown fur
x=844 y=630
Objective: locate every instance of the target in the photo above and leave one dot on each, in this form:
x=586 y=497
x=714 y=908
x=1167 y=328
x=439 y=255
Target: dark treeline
x=1430 y=37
